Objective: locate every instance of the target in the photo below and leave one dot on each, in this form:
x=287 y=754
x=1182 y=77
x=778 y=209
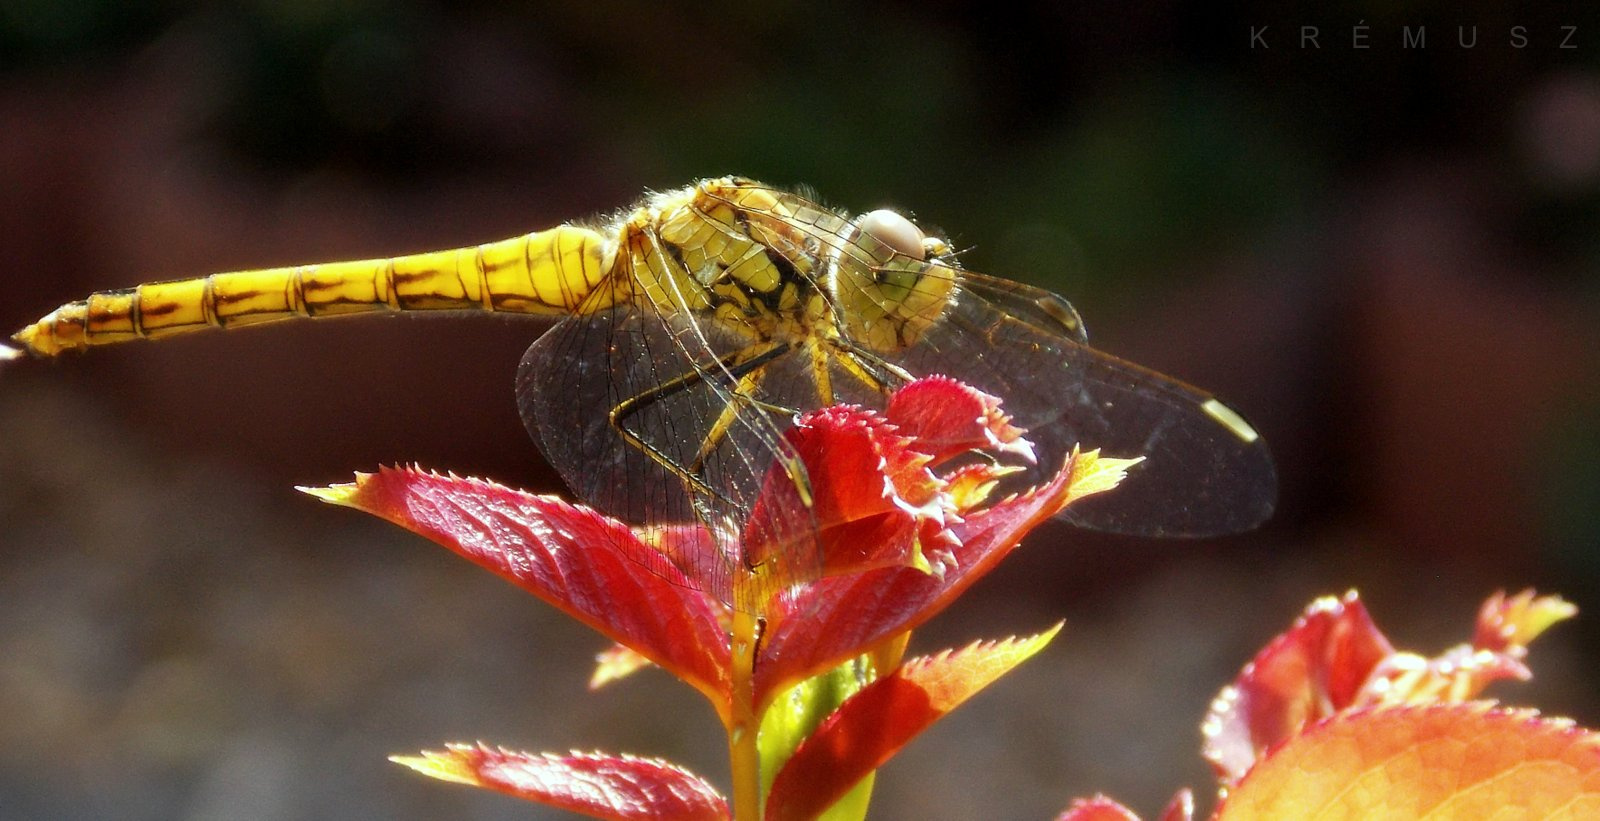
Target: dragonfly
x=691 y=329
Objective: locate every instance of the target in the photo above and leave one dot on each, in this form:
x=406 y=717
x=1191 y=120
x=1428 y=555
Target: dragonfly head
x=888 y=280
x=892 y=281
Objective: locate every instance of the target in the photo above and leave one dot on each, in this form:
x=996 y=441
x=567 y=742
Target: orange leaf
x=1467 y=760
x=876 y=722
x=622 y=788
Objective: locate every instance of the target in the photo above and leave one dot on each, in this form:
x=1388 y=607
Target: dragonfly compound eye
x=893 y=230
x=888 y=289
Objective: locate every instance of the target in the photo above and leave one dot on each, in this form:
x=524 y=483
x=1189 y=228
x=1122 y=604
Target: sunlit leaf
x=1315 y=668
x=876 y=722
x=872 y=494
x=795 y=715
x=623 y=788
x=1459 y=674
x=1442 y=761
x=1093 y=473
x=836 y=618
x=564 y=554
x=1335 y=659
x=947 y=417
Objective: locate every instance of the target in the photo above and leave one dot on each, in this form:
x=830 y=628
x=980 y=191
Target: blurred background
x=1387 y=257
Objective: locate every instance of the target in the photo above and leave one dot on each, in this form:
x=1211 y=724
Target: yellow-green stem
x=743 y=723
x=887 y=654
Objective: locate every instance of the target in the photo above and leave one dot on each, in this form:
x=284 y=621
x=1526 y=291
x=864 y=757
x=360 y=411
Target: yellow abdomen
x=552 y=272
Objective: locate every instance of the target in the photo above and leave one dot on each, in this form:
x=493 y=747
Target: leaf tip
x=1506 y=622
x=445 y=766
x=614 y=664
x=342 y=494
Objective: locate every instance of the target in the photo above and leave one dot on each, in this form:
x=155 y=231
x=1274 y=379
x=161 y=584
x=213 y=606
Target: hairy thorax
x=773 y=267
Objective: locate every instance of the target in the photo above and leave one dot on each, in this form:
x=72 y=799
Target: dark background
x=1386 y=257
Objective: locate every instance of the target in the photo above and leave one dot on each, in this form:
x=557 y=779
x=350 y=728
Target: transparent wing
x=1205 y=472
x=647 y=415
x=663 y=416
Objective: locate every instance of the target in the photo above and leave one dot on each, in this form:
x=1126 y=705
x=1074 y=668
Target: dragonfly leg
x=820 y=375
x=868 y=368
x=741 y=397
x=734 y=366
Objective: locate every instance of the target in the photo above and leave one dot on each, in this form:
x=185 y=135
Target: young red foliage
x=564 y=554
x=621 y=788
x=1335 y=659
x=948 y=418
x=864 y=474
x=1329 y=720
x=1314 y=668
x=834 y=618
x=899 y=542
x=875 y=501
x=872 y=725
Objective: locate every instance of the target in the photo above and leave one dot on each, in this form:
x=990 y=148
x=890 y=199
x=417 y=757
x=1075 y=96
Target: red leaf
x=622 y=788
x=873 y=499
x=1504 y=628
x=1305 y=674
x=1334 y=659
x=1442 y=761
x=568 y=556
x=876 y=722
x=947 y=417
x=871 y=491
x=820 y=625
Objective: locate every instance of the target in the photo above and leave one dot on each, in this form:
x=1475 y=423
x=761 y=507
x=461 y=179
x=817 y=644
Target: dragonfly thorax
x=774 y=267
x=692 y=252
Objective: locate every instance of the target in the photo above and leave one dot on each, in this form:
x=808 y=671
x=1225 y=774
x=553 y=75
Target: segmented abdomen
x=547 y=272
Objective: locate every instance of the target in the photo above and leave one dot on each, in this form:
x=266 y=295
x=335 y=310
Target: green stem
x=743 y=723
x=886 y=656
